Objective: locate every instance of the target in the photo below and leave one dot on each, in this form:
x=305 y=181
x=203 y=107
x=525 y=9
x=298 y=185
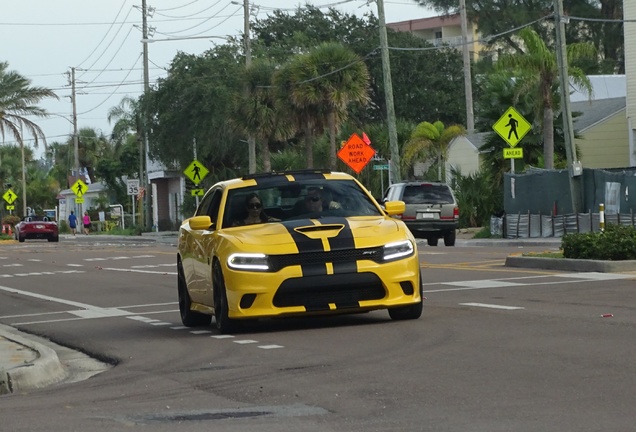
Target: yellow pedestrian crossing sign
x=512 y=127
x=196 y=172
x=197 y=192
x=9 y=196
x=79 y=188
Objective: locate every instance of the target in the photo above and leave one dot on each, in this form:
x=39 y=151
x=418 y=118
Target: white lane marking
x=179 y=328
x=270 y=346
x=149 y=305
x=75 y=265
x=153 y=266
x=222 y=336
x=528 y=281
x=491 y=306
x=198 y=332
x=483 y=284
x=140 y=318
x=161 y=323
x=140 y=271
x=596 y=276
x=245 y=341
x=34 y=260
x=12 y=265
x=94 y=311
x=119 y=258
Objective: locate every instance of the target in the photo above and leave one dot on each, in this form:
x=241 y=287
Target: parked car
x=36 y=227
x=294 y=243
x=431 y=210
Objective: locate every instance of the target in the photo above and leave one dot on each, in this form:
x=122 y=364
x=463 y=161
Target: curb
x=569 y=264
x=44 y=370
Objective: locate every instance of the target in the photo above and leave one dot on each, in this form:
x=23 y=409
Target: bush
x=11 y=220
x=617 y=243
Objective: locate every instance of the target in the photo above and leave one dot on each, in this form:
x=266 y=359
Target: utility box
x=576 y=169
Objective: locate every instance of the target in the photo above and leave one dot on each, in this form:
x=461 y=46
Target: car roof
x=283 y=176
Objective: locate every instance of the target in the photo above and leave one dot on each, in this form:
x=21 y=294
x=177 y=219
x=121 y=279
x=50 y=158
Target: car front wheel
x=221 y=309
x=189 y=318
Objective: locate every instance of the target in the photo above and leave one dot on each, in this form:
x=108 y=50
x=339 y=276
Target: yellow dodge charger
x=295 y=243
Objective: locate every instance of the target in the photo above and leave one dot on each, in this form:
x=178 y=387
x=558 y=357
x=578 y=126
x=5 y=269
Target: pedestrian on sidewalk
x=72 y=222
x=87 y=223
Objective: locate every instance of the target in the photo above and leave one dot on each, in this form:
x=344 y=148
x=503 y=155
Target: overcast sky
x=43 y=39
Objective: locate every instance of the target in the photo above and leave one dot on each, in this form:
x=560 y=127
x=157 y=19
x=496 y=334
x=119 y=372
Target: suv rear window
x=427 y=194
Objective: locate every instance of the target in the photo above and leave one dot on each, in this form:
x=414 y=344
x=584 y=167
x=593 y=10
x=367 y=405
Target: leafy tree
x=498 y=17
x=430 y=141
x=428 y=80
x=193 y=103
x=538 y=75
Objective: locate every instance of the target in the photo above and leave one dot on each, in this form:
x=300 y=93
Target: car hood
x=362 y=231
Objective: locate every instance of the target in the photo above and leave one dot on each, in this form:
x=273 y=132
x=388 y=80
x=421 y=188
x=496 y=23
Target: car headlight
x=248 y=261
x=397 y=250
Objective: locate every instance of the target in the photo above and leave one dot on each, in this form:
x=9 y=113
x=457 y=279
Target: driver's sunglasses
x=313 y=198
x=254 y=206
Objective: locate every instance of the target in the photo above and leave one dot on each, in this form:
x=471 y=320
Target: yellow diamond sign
x=196 y=172
x=512 y=127
x=79 y=188
x=10 y=196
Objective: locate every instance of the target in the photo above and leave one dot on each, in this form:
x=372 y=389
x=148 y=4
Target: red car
x=36 y=227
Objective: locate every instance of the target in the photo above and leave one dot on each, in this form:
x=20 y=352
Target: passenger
x=255 y=212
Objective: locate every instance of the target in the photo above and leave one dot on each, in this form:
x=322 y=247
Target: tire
x=409 y=312
x=21 y=239
x=224 y=323
x=432 y=241
x=449 y=238
x=54 y=239
x=189 y=318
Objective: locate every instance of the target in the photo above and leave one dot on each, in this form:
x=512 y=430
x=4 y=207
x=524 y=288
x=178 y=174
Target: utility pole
x=75 y=135
x=145 y=179
x=468 y=85
x=394 y=166
x=251 y=140
x=574 y=167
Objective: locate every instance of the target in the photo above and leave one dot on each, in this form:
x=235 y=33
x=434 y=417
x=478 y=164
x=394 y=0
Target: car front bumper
x=363 y=286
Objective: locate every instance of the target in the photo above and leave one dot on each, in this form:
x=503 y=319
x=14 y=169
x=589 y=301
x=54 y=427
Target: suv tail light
x=456 y=213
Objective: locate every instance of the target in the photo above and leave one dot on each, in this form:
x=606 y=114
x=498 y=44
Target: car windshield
x=283 y=200
x=427 y=193
x=35 y=218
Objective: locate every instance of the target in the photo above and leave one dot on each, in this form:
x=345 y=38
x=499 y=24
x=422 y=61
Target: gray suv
x=431 y=210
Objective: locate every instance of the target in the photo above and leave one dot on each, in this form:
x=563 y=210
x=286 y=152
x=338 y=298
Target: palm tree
x=296 y=105
x=319 y=86
x=538 y=75
x=341 y=78
x=18 y=99
x=430 y=141
x=257 y=113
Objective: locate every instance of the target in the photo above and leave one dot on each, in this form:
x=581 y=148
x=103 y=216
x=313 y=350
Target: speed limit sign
x=133 y=187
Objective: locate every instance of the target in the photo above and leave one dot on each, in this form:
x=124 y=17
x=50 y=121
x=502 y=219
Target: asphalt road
x=497 y=349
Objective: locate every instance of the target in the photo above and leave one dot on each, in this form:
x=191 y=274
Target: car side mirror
x=201 y=223
x=394 y=208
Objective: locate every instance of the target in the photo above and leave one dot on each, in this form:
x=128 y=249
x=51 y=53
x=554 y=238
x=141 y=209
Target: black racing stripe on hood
x=343 y=241
x=304 y=245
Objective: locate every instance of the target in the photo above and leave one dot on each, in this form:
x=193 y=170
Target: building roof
x=426 y=23
x=595 y=111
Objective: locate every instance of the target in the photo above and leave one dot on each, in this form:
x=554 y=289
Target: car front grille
x=316 y=293
x=278 y=262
